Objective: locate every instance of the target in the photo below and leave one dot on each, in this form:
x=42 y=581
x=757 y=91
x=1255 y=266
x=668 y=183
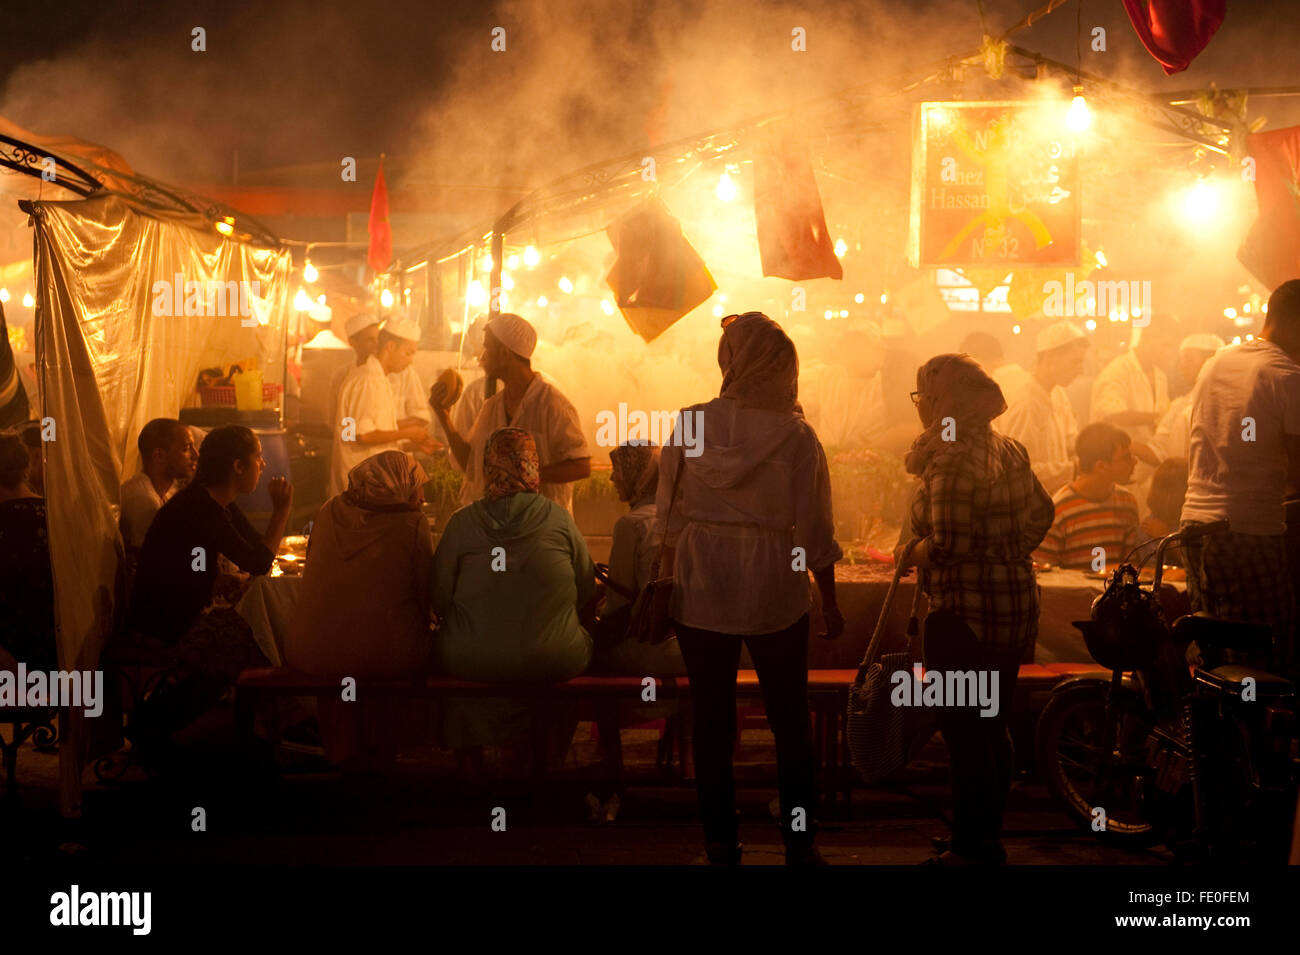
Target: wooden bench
x=604 y=693
x=827 y=698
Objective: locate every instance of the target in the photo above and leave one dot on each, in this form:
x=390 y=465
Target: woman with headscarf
x=752 y=515
x=633 y=549
x=979 y=513
x=510 y=574
x=363 y=608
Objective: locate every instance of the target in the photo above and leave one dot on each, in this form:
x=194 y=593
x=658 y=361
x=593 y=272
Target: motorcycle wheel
x=1068 y=740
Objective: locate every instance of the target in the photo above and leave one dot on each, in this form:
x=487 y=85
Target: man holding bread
x=526 y=400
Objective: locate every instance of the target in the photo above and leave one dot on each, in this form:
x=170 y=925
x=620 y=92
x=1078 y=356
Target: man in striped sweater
x=1096 y=519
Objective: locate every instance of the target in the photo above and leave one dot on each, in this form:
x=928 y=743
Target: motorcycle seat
x=1214 y=633
x=1230 y=676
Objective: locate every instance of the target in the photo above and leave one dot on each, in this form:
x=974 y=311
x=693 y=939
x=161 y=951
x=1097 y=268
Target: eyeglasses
x=915 y=396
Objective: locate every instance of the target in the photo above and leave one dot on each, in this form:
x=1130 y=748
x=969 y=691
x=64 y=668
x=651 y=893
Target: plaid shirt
x=983 y=512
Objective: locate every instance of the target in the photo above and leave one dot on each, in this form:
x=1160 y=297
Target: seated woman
x=631 y=556
x=363 y=608
x=178 y=572
x=26 y=586
x=1165 y=503
x=510 y=573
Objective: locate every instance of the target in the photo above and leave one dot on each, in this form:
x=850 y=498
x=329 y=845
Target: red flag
x=1175 y=31
x=793 y=241
x=380 y=255
x=1271 y=250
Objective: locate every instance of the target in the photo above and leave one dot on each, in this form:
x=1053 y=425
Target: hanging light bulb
x=512 y=262
x=386 y=298
x=532 y=257
x=309 y=272
x=607 y=306
x=1079 y=116
x=485 y=264
x=542 y=301
x=302 y=301
x=840 y=248
x=4 y=295
x=475 y=294
x=320 y=299
x=566 y=285
x=726 y=188
x=28 y=301
x=859 y=298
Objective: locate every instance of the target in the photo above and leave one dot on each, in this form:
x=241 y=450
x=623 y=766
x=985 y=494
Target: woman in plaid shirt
x=979 y=512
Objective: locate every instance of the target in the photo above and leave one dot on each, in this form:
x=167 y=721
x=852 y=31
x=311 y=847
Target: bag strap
x=873 y=648
x=677 y=486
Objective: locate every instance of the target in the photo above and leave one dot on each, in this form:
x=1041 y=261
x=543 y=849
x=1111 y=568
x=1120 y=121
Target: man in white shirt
x=366 y=421
x=167 y=455
x=1174 y=432
x=527 y=401
x=1132 y=391
x=1038 y=413
x=1245 y=461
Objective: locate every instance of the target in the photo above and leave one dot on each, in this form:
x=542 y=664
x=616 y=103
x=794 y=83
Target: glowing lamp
x=840 y=248
x=531 y=257
x=475 y=294
x=28 y=301
x=1079 y=117
x=309 y=272
x=386 y=298
x=4 y=295
x=726 y=190
x=302 y=301
x=566 y=284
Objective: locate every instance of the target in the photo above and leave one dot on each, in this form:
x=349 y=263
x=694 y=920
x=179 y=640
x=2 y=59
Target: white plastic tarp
x=109 y=359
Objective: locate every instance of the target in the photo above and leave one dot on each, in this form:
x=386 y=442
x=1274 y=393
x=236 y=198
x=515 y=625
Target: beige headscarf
x=386 y=481
x=960 y=389
x=760 y=367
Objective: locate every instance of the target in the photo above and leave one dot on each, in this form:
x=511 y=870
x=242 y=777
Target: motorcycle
x=1202 y=759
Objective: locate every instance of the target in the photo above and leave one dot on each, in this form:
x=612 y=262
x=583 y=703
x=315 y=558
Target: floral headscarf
x=636 y=465
x=510 y=463
x=960 y=389
x=386 y=481
x=760 y=367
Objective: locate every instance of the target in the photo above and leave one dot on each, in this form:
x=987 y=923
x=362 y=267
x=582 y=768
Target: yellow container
x=248 y=391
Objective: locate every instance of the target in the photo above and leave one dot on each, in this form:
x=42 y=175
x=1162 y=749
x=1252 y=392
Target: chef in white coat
x=366 y=421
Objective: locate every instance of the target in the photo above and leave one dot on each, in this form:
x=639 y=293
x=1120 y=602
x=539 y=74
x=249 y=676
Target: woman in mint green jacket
x=510 y=574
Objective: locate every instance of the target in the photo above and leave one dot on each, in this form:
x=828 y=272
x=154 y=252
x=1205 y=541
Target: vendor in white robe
x=367 y=409
x=1038 y=413
x=525 y=400
x=1132 y=392
x=1173 y=437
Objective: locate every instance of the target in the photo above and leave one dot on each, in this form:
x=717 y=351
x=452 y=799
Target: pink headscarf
x=510 y=463
x=760 y=367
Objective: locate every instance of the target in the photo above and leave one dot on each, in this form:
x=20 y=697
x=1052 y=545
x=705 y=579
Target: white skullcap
x=514 y=332
x=360 y=322
x=405 y=328
x=1058 y=334
x=1203 y=341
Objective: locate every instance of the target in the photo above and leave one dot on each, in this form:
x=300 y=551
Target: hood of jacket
x=510 y=518
x=737 y=441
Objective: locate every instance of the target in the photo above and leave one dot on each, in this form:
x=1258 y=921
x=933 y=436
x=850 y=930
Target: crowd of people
x=510 y=594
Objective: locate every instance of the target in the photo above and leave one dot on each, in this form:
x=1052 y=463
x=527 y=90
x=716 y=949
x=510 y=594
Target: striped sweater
x=1082 y=524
